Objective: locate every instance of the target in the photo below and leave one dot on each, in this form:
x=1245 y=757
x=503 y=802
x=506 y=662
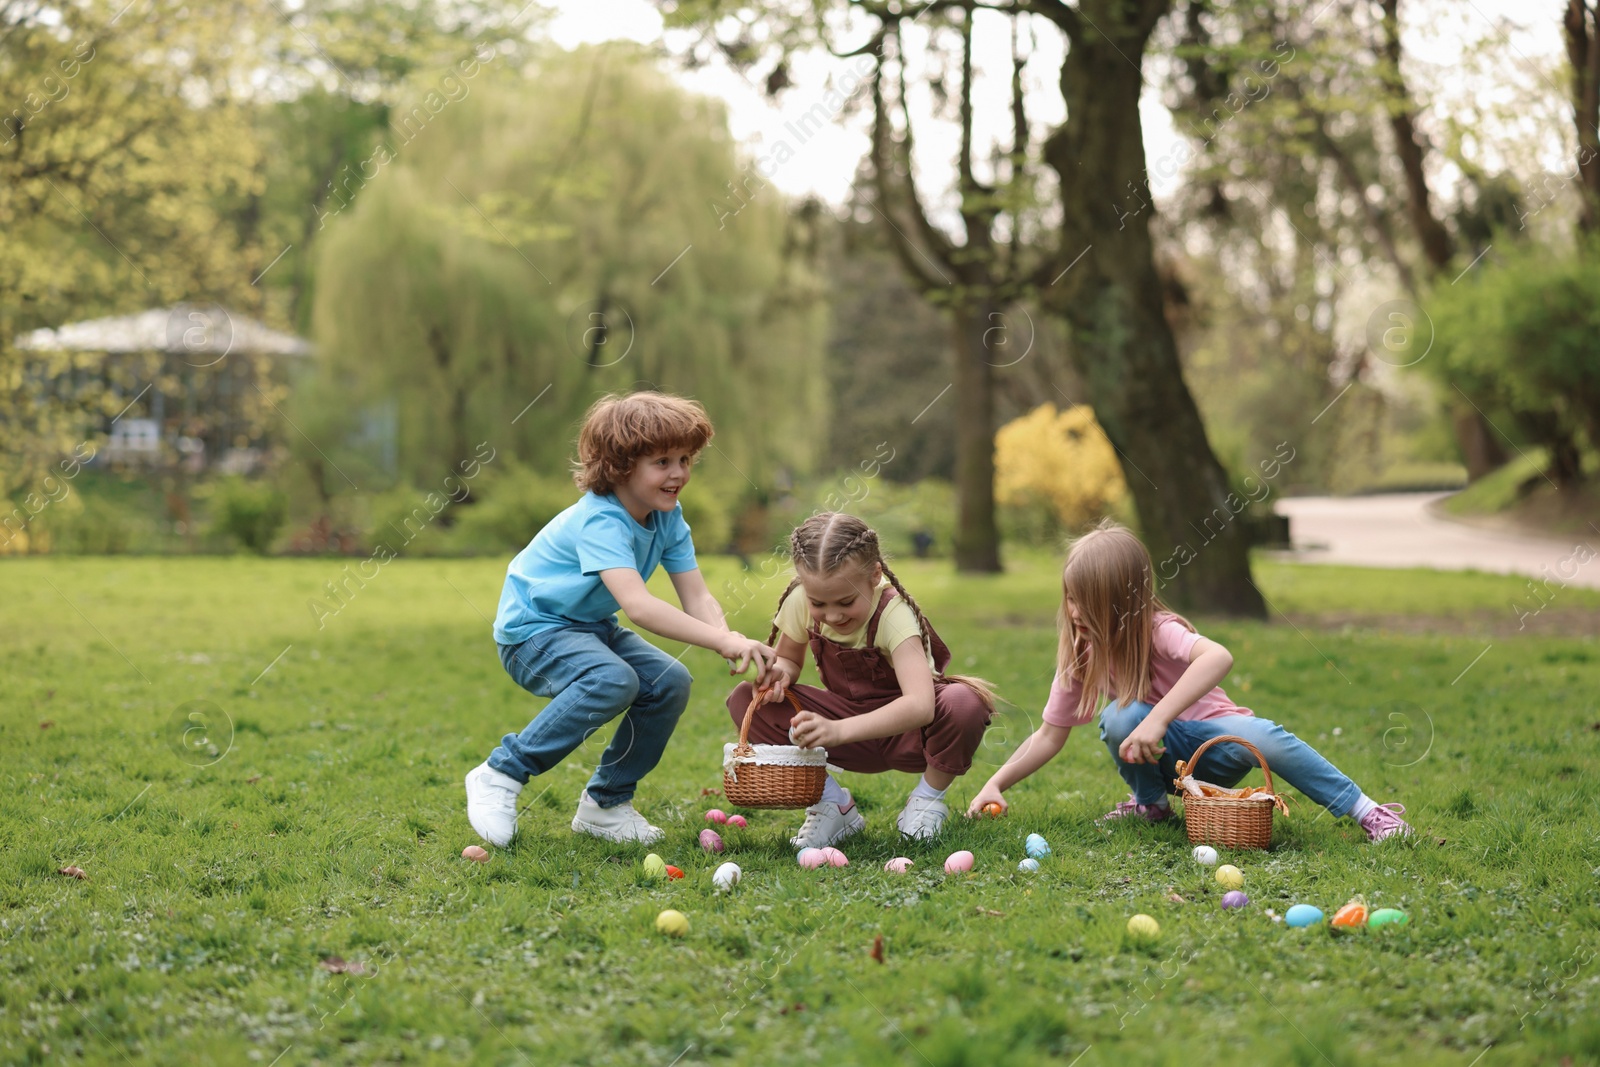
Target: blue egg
x=1036 y=846
x=1303 y=915
x=1030 y=865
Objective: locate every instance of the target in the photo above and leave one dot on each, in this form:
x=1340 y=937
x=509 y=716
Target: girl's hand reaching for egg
x=1143 y=745
x=810 y=730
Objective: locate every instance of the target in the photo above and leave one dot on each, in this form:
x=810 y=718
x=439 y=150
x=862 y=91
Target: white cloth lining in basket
x=773 y=755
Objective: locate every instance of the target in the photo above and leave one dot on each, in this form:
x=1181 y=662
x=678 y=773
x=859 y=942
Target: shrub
x=512 y=503
x=1055 y=473
x=1521 y=338
x=249 y=512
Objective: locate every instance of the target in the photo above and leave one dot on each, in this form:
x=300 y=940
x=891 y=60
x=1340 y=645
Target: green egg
x=1388 y=917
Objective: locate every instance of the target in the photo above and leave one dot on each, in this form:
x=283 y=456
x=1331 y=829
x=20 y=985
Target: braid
x=772 y=638
x=922 y=622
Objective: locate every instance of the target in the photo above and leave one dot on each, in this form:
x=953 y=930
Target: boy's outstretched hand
x=987 y=795
x=743 y=652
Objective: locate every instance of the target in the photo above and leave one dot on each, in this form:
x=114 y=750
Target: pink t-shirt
x=1170 y=645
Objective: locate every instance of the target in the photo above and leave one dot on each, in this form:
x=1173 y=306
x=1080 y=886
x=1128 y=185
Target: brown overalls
x=859 y=680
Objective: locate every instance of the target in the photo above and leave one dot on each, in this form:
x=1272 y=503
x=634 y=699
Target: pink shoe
x=1385 y=821
x=1131 y=807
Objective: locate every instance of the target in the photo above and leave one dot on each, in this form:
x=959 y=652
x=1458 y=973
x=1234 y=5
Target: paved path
x=1398 y=530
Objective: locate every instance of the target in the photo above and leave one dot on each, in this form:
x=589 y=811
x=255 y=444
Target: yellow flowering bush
x=1055 y=468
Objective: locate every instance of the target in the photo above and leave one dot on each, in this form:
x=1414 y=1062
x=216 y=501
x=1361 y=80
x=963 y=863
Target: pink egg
x=835 y=858
x=736 y=820
x=710 y=840
x=812 y=858
x=716 y=815
x=958 y=862
x=898 y=865
x=475 y=853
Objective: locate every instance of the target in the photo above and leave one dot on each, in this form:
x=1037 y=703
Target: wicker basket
x=772 y=776
x=1231 y=822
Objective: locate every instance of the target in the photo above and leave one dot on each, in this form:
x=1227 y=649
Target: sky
x=1436 y=34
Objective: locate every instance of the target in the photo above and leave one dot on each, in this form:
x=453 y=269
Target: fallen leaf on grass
x=877 y=948
x=337 y=965
x=73 y=872
x=707 y=792
x=47 y=724
x=989 y=911
x=252 y=780
x=1176 y=899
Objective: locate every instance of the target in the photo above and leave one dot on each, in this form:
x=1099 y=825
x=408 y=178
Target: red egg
x=716 y=815
x=673 y=872
x=737 y=820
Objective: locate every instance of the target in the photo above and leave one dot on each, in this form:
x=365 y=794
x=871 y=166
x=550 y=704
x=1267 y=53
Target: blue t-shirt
x=555 y=581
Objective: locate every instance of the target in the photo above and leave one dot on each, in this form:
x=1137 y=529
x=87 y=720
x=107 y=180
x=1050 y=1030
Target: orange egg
x=1352 y=914
x=673 y=872
x=994 y=809
x=475 y=853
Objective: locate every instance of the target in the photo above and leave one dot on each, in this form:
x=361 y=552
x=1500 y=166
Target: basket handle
x=757 y=698
x=1194 y=760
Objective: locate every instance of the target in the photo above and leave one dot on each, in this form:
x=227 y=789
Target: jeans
x=594 y=672
x=1290 y=758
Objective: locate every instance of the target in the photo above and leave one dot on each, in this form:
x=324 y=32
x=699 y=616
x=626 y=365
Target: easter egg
x=958 y=862
x=674 y=872
x=1352 y=915
x=737 y=820
x=994 y=809
x=1029 y=865
x=1388 y=917
x=812 y=858
x=1036 y=847
x=672 y=923
x=1230 y=877
x=834 y=857
x=710 y=840
x=1144 y=927
x=1233 y=898
x=1303 y=915
x=475 y=854
x=726 y=876
x=898 y=865
x=655 y=866
x=716 y=815
x=1205 y=855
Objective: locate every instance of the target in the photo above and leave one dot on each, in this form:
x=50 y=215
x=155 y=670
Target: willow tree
x=550 y=243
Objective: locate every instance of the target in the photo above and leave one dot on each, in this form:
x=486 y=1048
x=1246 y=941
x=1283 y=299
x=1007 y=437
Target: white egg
x=1205 y=855
x=726 y=876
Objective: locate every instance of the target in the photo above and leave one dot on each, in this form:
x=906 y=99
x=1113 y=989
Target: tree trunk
x=1582 y=25
x=1111 y=300
x=977 y=535
x=1480 y=449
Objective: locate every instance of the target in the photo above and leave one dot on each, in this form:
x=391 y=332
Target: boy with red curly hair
x=558 y=633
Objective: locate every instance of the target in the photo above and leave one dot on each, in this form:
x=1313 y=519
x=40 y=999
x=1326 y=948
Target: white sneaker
x=828 y=824
x=620 y=823
x=922 y=818
x=492 y=804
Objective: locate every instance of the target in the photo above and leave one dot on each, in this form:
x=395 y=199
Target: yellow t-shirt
x=898 y=623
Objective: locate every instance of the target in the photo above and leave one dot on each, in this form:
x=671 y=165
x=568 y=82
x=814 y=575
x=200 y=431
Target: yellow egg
x=1143 y=926
x=1230 y=877
x=672 y=923
x=655 y=866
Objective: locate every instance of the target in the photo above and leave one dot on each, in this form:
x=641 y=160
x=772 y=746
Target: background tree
x=552 y=246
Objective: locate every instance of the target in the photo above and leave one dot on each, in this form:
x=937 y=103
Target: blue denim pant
x=1290 y=758
x=594 y=672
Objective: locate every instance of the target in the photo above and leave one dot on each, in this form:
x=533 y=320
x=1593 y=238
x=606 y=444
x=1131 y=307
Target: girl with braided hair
x=886 y=702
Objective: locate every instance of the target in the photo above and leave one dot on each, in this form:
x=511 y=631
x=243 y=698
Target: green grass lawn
x=331 y=820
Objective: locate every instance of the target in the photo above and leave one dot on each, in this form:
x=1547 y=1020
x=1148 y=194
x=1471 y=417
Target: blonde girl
x=886 y=702
x=1120 y=644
